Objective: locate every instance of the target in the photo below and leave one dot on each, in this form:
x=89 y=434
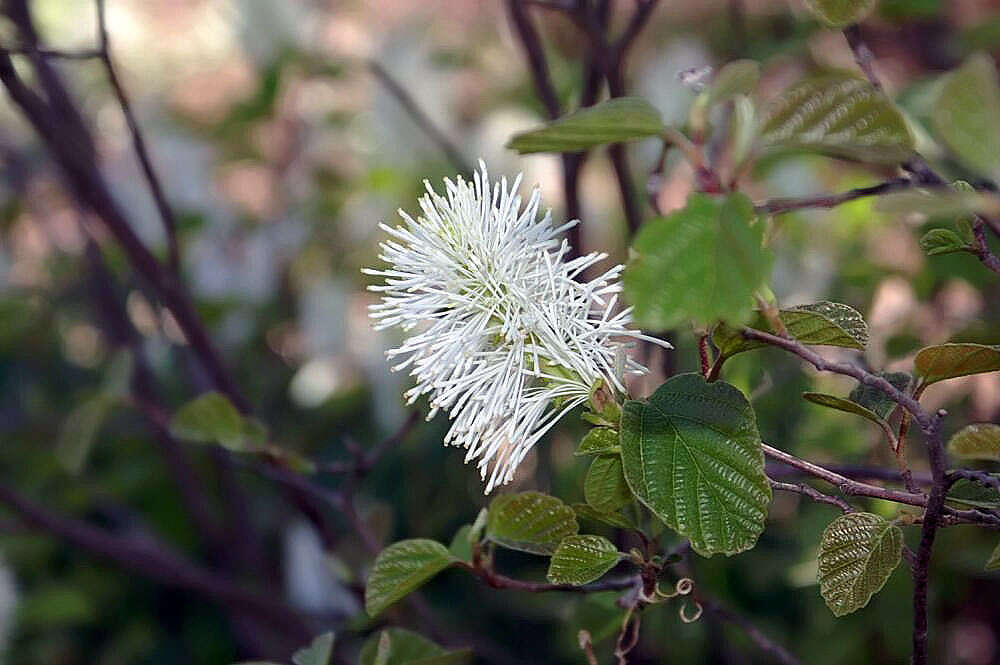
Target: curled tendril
x=684 y=586
x=694 y=617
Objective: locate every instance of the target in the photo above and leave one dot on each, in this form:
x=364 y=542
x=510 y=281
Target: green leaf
x=530 y=522
x=580 y=560
x=857 y=553
x=735 y=78
x=841 y=13
x=400 y=569
x=980 y=441
x=613 y=121
x=966 y=114
x=970 y=493
x=317 y=653
x=693 y=456
x=876 y=400
x=605 y=489
x=994 y=560
x=599 y=441
x=847 y=406
x=942 y=241
x=461 y=547
x=840 y=115
x=820 y=324
x=938 y=203
x=78 y=432
x=948 y=361
x=404 y=647
x=703 y=262
x=209 y=418
x=617 y=519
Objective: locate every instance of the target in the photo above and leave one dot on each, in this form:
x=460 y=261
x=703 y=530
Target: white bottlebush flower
x=501 y=335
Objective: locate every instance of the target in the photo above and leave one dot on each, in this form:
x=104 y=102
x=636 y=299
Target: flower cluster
x=502 y=335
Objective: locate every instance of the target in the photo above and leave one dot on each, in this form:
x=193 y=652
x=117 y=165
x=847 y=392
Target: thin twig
x=760 y=640
x=812 y=493
x=778 y=206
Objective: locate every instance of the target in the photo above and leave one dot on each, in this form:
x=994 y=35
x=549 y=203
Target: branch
x=762 y=641
x=436 y=135
x=813 y=494
x=981 y=477
x=778 y=206
x=498 y=581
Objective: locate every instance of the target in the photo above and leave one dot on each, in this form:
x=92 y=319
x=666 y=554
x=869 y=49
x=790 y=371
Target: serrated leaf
x=530 y=522
x=966 y=114
x=876 y=400
x=820 y=324
x=840 y=115
x=604 y=488
x=580 y=560
x=980 y=441
x=317 y=653
x=703 y=262
x=599 y=441
x=78 y=432
x=613 y=121
x=994 y=561
x=857 y=553
x=404 y=647
x=847 y=406
x=841 y=13
x=949 y=361
x=617 y=519
x=942 y=241
x=400 y=569
x=692 y=454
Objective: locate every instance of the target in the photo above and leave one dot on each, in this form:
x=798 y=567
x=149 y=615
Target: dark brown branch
x=980 y=477
x=782 y=205
x=812 y=493
x=862 y=55
x=498 y=581
x=420 y=119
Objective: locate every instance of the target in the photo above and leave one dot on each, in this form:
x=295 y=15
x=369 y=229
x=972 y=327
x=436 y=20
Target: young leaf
x=857 y=554
x=848 y=406
x=317 y=653
x=614 y=121
x=209 y=418
x=994 y=560
x=840 y=115
x=693 y=456
x=580 y=560
x=948 y=361
x=821 y=324
x=980 y=441
x=530 y=522
x=599 y=441
x=876 y=400
x=77 y=434
x=604 y=488
x=966 y=114
x=404 y=647
x=840 y=13
x=400 y=569
x=703 y=262
x=735 y=78
x=461 y=546
x=617 y=519
x=942 y=241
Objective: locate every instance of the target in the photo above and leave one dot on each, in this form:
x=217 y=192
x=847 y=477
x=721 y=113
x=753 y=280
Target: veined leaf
x=582 y=559
x=942 y=241
x=857 y=554
x=599 y=441
x=948 y=361
x=404 y=647
x=841 y=115
x=966 y=114
x=692 y=454
x=841 y=13
x=400 y=569
x=530 y=522
x=876 y=400
x=617 y=519
x=317 y=653
x=614 y=121
x=735 y=78
x=821 y=324
x=969 y=493
x=703 y=262
x=850 y=406
x=980 y=441
x=604 y=487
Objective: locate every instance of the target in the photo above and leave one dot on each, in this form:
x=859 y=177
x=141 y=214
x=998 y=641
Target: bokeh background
x=281 y=150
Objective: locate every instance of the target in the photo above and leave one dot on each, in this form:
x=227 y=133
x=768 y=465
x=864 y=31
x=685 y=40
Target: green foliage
x=614 y=121
x=76 y=437
x=580 y=560
x=980 y=441
x=949 y=361
x=840 y=115
x=943 y=241
x=822 y=324
x=841 y=13
x=875 y=400
x=703 y=262
x=604 y=488
x=398 y=646
x=737 y=78
x=400 y=569
x=317 y=653
x=851 y=406
x=966 y=114
x=857 y=554
x=692 y=455
x=211 y=418
x=970 y=493
x=993 y=563
x=617 y=519
x=599 y=441
x=530 y=522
